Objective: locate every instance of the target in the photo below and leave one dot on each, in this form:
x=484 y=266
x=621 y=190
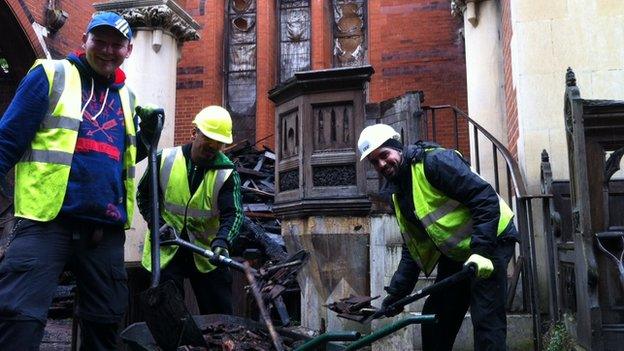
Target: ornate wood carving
x=289 y=127
x=349 y=32
x=294 y=37
x=593 y=129
x=289 y=180
x=332 y=127
x=339 y=175
x=318 y=114
x=613 y=164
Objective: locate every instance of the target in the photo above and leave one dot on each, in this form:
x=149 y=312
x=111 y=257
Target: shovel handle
x=466 y=272
x=218 y=259
x=154 y=223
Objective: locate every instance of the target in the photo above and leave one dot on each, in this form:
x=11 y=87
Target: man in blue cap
x=70 y=131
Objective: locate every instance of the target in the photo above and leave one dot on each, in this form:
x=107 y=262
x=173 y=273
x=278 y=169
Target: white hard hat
x=373 y=136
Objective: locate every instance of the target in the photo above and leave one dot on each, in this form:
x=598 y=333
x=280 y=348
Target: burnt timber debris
x=354 y=307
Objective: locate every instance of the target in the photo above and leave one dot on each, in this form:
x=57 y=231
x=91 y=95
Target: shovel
x=448 y=282
x=166 y=316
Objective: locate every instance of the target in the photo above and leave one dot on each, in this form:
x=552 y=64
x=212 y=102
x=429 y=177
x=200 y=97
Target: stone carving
x=457 y=7
x=160 y=16
x=349 y=36
x=340 y=175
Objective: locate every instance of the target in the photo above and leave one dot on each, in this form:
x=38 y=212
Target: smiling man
x=200 y=198
x=448 y=216
x=70 y=132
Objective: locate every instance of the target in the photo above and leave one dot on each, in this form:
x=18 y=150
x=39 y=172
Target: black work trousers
x=485 y=297
x=29 y=274
x=213 y=290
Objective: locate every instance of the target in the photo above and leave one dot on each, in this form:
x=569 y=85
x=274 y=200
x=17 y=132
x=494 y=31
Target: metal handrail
x=516 y=176
x=524 y=212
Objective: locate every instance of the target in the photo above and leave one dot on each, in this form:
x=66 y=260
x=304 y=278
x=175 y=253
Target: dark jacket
x=229 y=201
x=450 y=173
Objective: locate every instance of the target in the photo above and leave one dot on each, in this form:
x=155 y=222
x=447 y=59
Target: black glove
x=218 y=250
x=166 y=232
x=387 y=302
x=148 y=116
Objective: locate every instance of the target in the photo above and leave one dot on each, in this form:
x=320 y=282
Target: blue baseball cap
x=110 y=19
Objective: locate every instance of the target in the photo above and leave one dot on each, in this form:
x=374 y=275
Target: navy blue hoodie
x=95 y=191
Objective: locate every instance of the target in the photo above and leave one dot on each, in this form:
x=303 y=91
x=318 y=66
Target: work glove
x=218 y=250
x=166 y=232
x=387 y=302
x=485 y=267
x=148 y=115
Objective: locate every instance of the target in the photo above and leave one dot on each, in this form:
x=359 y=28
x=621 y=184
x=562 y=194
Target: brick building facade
x=412 y=45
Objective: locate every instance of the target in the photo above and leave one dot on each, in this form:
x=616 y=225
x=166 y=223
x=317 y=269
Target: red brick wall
x=510 y=91
x=321 y=44
x=20 y=45
x=200 y=71
x=412 y=45
x=266 y=72
x=69 y=37
x=416 y=45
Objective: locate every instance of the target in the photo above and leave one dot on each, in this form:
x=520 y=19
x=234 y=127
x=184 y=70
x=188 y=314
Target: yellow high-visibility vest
x=42 y=173
x=202 y=214
x=447 y=222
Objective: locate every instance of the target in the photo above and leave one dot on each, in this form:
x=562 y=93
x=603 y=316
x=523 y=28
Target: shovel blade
x=167 y=318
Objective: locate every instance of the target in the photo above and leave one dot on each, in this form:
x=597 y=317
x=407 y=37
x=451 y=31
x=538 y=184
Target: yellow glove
x=485 y=267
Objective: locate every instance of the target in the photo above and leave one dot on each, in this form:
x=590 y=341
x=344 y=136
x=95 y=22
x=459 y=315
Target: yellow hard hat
x=215 y=123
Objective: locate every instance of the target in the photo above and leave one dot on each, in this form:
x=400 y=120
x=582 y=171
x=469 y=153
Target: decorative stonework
x=467 y=9
x=457 y=7
x=161 y=14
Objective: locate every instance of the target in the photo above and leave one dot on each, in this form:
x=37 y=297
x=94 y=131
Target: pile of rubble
x=260 y=230
x=237 y=337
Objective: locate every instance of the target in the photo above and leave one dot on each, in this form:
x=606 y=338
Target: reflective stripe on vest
x=42 y=173
x=202 y=214
x=448 y=223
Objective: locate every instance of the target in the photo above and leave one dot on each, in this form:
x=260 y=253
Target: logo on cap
x=123 y=26
x=110 y=19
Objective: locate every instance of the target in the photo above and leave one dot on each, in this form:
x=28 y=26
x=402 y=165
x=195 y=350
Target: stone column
x=160 y=28
x=484 y=75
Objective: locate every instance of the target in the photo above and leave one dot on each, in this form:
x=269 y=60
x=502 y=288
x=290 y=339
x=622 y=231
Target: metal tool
x=166 y=316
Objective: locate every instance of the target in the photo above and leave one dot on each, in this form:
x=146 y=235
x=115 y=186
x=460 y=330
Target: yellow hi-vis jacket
x=202 y=215
x=448 y=223
x=42 y=174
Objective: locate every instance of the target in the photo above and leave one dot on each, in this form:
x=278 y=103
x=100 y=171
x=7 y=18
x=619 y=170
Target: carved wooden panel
x=568 y=287
x=289 y=180
x=294 y=37
x=349 y=32
x=289 y=127
x=334 y=175
x=241 y=67
x=333 y=127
